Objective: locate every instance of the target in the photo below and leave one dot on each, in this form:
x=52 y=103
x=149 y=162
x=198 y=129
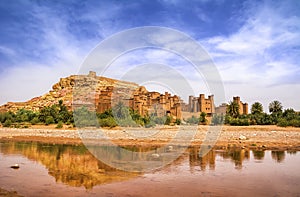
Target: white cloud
x=7 y=51
x=61 y=56
x=259 y=55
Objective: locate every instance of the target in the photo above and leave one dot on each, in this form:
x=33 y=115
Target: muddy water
x=70 y=170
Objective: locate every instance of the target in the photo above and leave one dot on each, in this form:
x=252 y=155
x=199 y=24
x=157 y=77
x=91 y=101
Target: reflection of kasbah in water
x=72 y=165
x=237 y=156
x=75 y=166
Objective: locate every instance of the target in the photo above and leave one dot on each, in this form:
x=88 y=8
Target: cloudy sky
x=255 y=45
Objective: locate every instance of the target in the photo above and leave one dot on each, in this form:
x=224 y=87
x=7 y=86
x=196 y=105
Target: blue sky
x=255 y=44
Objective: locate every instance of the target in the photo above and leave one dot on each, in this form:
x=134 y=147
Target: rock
x=15 y=166
x=155 y=155
x=242 y=137
x=170 y=148
x=264 y=146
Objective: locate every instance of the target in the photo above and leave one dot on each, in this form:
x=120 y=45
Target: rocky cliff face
x=101 y=93
x=65 y=90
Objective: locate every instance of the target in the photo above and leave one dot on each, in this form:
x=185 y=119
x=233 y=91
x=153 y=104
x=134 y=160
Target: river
x=71 y=170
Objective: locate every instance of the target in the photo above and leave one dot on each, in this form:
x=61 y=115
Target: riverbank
x=252 y=137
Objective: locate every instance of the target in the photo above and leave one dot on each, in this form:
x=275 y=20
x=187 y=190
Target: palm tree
x=233 y=109
x=275 y=107
x=256 y=108
x=120 y=111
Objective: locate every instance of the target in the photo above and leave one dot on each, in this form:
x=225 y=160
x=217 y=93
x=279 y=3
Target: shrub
x=168 y=120
x=178 y=121
x=217 y=119
x=158 y=120
x=108 y=122
x=192 y=120
x=59 y=125
x=294 y=123
x=7 y=123
x=239 y=122
x=202 y=118
x=49 y=120
x=150 y=124
x=35 y=121
x=282 y=122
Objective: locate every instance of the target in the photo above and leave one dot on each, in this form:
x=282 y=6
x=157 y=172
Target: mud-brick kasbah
x=101 y=93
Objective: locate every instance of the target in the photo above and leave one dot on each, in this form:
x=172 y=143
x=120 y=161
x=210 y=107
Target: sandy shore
x=253 y=137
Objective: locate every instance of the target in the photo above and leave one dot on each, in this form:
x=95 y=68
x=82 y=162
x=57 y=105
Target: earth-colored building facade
x=196 y=105
x=201 y=104
x=141 y=101
x=243 y=107
x=100 y=93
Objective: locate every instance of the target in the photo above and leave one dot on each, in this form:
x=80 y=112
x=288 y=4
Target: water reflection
x=195 y=159
x=278 y=156
x=74 y=165
x=69 y=164
x=237 y=156
x=258 y=154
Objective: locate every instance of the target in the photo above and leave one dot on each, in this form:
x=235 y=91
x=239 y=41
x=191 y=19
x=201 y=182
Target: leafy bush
x=49 y=120
x=59 y=125
x=35 y=121
x=178 y=121
x=150 y=124
x=239 y=122
x=282 y=122
x=7 y=123
x=202 y=118
x=159 y=120
x=168 y=120
x=108 y=122
x=294 y=123
x=192 y=120
x=217 y=119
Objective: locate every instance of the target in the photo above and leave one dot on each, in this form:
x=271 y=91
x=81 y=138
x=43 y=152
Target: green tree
x=120 y=111
x=83 y=117
x=289 y=114
x=7 y=116
x=202 y=118
x=168 y=120
x=217 y=119
x=275 y=107
x=193 y=120
x=233 y=109
x=7 y=123
x=178 y=121
x=49 y=120
x=256 y=108
x=59 y=125
x=35 y=121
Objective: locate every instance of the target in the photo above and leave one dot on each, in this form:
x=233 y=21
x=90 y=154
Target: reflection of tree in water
x=203 y=162
x=69 y=164
x=292 y=152
x=278 y=156
x=237 y=156
x=258 y=154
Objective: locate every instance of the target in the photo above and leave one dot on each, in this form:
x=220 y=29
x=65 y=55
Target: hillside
x=65 y=89
x=100 y=94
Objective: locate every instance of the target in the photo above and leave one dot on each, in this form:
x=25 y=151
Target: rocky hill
x=101 y=93
x=65 y=90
